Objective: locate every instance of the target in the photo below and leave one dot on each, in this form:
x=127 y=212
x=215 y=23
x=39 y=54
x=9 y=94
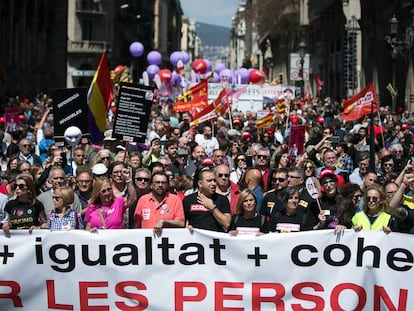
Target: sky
x=215 y=12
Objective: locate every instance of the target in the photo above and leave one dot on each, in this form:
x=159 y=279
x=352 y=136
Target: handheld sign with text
x=313 y=191
x=69 y=109
x=132 y=112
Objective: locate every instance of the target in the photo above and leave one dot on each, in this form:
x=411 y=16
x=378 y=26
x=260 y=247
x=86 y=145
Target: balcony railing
x=89 y=7
x=84 y=46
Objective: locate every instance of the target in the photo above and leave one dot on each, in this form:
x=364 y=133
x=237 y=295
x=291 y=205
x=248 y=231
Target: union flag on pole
x=360 y=104
x=195 y=97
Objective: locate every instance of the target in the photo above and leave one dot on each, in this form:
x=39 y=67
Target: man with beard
x=206 y=209
x=159 y=208
x=226 y=187
x=357 y=177
x=193 y=162
x=171 y=151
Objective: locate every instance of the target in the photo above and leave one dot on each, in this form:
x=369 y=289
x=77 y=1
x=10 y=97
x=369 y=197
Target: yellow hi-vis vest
x=361 y=219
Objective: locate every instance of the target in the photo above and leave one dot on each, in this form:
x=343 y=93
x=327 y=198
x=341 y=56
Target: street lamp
x=302 y=53
x=398 y=47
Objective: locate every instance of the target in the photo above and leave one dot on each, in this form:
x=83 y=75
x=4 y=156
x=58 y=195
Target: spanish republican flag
x=100 y=96
x=194 y=97
x=360 y=104
x=265 y=121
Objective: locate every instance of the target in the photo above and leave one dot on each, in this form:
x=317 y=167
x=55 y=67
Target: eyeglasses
x=388 y=164
x=105 y=158
x=223 y=175
x=170 y=176
x=261 y=156
x=331 y=182
x=142 y=179
x=309 y=167
x=28 y=145
x=20 y=186
x=278 y=179
x=372 y=199
x=241 y=160
x=398 y=151
x=56 y=198
x=107 y=190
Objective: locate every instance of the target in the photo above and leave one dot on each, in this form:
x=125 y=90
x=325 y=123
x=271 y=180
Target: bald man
x=254 y=182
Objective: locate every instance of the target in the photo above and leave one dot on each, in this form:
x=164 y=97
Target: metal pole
x=394 y=97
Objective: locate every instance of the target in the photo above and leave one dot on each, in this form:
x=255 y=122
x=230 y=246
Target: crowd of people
x=225 y=176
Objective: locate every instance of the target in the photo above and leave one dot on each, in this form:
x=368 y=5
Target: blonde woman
x=63 y=217
x=374 y=215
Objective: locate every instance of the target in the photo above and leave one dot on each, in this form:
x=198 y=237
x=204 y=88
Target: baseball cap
x=207 y=161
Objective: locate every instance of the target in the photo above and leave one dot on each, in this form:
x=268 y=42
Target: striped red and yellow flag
x=265 y=121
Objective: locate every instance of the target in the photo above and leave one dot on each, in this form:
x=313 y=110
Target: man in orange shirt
x=159 y=208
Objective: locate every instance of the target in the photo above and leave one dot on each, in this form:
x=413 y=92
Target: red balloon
x=165 y=74
x=256 y=76
x=199 y=66
x=22 y=117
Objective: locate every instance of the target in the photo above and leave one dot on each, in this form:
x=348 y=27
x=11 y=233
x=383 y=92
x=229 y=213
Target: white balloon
x=73 y=135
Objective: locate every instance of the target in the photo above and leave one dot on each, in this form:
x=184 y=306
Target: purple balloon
x=175 y=79
x=175 y=57
x=219 y=67
x=226 y=75
x=185 y=57
x=244 y=75
x=136 y=49
x=208 y=65
x=154 y=58
x=216 y=77
x=152 y=70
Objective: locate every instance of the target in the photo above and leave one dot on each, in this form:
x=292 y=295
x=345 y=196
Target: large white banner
x=133 y=270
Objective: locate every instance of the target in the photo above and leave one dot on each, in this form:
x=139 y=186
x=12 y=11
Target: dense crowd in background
x=224 y=175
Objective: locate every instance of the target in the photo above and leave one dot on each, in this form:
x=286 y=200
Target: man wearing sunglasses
x=262 y=164
x=279 y=181
x=226 y=187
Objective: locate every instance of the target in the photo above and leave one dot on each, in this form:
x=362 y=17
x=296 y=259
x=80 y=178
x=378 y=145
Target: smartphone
x=334 y=139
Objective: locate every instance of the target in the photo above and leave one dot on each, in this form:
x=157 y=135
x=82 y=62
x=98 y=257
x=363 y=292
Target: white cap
x=99 y=169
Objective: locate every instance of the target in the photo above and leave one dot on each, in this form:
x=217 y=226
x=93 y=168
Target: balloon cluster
x=201 y=68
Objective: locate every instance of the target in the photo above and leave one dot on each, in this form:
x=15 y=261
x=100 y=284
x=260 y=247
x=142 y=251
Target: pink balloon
x=175 y=57
x=175 y=79
x=219 y=67
x=136 y=49
x=185 y=57
x=154 y=58
x=152 y=70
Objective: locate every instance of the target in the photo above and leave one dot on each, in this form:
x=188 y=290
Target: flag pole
x=382 y=132
x=371 y=140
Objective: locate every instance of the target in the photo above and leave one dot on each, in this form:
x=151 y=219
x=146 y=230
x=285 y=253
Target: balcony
x=89 y=7
x=88 y=47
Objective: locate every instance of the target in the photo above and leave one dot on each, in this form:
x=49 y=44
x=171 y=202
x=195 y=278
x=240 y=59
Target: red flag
x=360 y=104
x=194 y=97
x=319 y=83
x=221 y=104
x=206 y=114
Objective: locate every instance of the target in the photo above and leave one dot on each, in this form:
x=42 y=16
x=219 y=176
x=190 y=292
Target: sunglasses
x=357 y=196
x=105 y=158
x=372 y=199
x=20 y=186
x=241 y=160
x=260 y=156
x=388 y=164
x=279 y=179
x=223 y=175
x=57 y=198
x=142 y=179
x=309 y=167
x=107 y=190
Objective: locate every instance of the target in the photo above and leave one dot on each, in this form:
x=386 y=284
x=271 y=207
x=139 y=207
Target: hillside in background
x=212 y=35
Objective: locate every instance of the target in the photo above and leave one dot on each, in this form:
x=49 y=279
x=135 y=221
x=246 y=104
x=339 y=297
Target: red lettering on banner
x=220 y=296
x=51 y=297
x=179 y=293
x=85 y=296
x=13 y=294
x=277 y=299
x=297 y=293
x=379 y=292
x=336 y=291
x=140 y=299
